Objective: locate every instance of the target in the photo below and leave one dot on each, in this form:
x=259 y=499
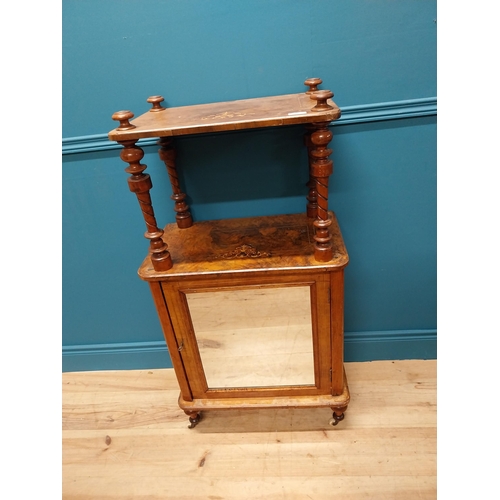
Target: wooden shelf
x=259 y=112
x=277 y=242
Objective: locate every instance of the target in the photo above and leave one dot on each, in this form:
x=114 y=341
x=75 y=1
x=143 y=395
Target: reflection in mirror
x=259 y=337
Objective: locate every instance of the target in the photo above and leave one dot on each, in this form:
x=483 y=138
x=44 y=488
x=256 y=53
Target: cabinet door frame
x=319 y=283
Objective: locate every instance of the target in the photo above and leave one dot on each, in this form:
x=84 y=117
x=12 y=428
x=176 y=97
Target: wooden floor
x=125 y=437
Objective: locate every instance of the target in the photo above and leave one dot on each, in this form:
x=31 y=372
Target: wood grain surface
x=273 y=111
x=124 y=437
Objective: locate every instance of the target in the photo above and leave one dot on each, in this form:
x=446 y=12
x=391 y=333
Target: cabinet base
x=337 y=403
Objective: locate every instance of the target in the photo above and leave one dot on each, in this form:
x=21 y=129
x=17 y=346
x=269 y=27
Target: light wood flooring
x=124 y=437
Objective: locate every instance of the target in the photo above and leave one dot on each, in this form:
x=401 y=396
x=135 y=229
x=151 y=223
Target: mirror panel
x=259 y=337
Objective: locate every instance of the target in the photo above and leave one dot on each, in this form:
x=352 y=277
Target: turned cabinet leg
x=140 y=184
x=321 y=169
x=194 y=418
x=167 y=155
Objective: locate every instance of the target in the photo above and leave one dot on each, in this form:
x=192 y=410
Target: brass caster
x=194 y=421
x=336 y=419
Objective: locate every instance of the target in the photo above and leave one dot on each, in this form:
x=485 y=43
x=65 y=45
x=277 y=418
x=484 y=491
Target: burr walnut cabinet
x=251 y=308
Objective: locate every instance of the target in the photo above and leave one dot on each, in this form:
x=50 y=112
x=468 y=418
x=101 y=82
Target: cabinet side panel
x=337 y=322
x=171 y=341
x=183 y=331
x=321 y=329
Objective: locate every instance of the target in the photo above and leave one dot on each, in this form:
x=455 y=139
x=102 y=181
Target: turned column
x=312 y=196
x=140 y=184
x=167 y=154
x=321 y=169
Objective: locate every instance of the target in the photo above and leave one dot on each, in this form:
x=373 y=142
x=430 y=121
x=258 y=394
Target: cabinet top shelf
x=291 y=109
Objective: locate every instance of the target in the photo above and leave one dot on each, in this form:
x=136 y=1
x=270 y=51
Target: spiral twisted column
x=167 y=154
x=312 y=197
x=321 y=168
x=140 y=184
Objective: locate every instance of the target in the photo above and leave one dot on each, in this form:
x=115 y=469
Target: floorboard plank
x=125 y=437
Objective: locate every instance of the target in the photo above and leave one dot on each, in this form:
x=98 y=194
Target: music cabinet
x=251 y=308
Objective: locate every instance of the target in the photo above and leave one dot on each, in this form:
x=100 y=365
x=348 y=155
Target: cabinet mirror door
x=246 y=337
x=258 y=337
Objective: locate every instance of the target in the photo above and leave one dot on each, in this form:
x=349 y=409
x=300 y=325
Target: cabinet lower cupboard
x=251 y=308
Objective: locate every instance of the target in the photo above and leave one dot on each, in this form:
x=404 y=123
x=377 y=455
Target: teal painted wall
x=383 y=190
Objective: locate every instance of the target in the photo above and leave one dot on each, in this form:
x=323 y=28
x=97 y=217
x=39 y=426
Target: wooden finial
x=322 y=96
x=155 y=100
x=123 y=117
x=313 y=83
